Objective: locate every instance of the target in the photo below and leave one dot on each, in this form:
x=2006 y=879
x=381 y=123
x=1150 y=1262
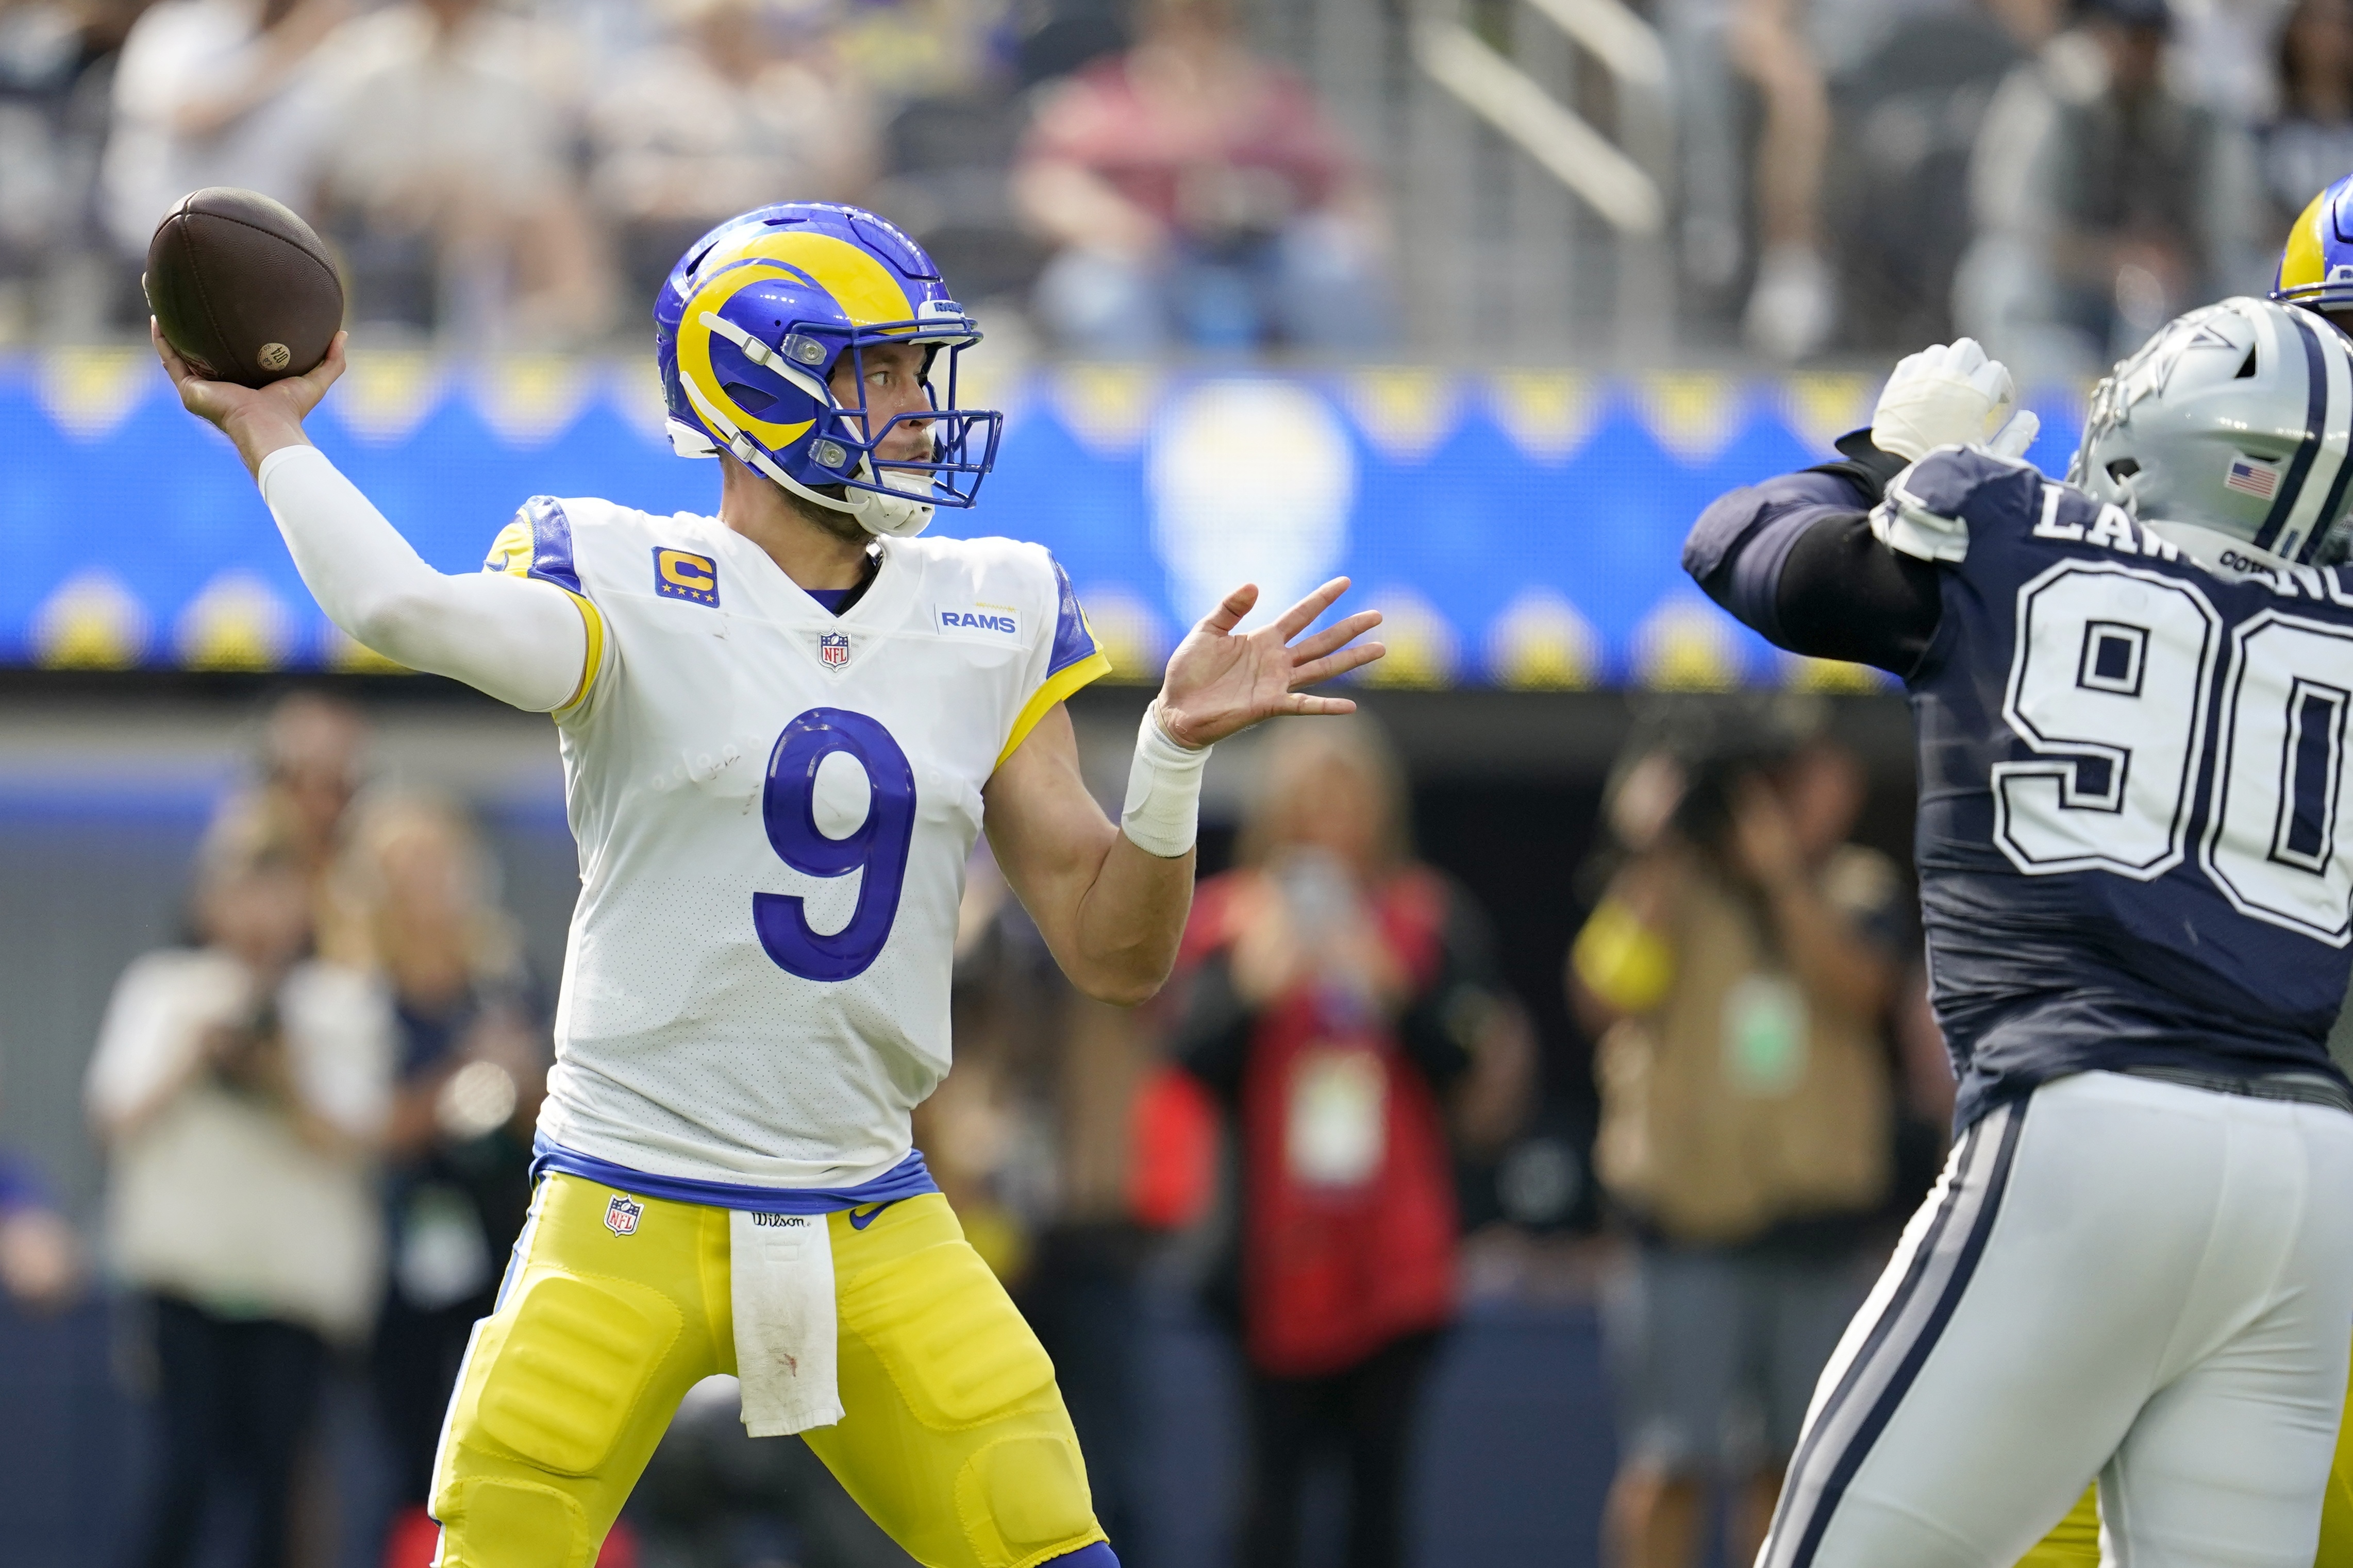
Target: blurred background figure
x=1737 y=972
x=744 y=103
x=55 y=57
x=312 y=763
x=1909 y=91
x=1341 y=1001
x=2308 y=144
x=1199 y=197
x=1719 y=47
x=2105 y=200
x=214 y=92
x=471 y=1068
x=449 y=182
x=240 y=1087
x=41 y=1264
x=714 y=1497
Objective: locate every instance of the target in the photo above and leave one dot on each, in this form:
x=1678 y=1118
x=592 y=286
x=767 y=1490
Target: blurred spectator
x=1199 y=197
x=45 y=49
x=239 y=1088
x=1342 y=1000
x=744 y=105
x=447 y=180
x=2225 y=55
x=216 y=92
x=312 y=760
x=470 y=1069
x=1908 y=112
x=2104 y=200
x=1742 y=961
x=1715 y=44
x=907 y=50
x=715 y=1497
x=40 y=1258
x=2309 y=146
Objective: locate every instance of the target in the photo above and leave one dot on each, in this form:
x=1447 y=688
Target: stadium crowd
x=1133 y=176
x=318 y=1108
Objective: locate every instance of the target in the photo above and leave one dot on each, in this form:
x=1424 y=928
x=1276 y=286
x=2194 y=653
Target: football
x=242 y=288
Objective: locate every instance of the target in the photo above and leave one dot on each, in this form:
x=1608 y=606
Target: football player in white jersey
x=782 y=728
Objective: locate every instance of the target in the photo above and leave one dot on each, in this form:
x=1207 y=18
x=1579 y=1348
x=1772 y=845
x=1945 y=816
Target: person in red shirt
x=1342 y=1005
x=1198 y=196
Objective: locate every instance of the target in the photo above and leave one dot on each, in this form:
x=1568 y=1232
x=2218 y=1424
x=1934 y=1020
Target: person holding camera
x=1737 y=972
x=239 y=1087
x=1342 y=1003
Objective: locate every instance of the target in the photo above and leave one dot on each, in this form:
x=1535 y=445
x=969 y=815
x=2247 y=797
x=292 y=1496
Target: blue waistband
x=907 y=1179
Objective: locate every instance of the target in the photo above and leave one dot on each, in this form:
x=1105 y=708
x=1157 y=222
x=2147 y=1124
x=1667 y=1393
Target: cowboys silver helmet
x=2231 y=431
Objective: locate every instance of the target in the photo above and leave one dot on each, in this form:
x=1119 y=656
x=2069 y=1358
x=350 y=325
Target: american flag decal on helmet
x=2256 y=477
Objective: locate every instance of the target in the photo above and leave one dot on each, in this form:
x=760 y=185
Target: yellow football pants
x=2076 y=1543
x=956 y=1440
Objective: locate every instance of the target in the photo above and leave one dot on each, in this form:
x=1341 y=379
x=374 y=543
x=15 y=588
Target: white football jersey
x=774 y=807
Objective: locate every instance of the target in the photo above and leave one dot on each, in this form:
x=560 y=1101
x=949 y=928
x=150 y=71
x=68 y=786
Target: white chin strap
x=2220 y=554
x=899 y=516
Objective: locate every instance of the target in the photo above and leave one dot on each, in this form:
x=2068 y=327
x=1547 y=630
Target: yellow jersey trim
x=1060 y=685
x=595 y=623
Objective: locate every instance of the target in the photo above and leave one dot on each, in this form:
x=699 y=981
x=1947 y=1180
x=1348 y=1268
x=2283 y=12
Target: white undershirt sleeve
x=521 y=640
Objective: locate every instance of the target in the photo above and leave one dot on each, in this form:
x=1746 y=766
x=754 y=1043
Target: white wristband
x=1162 y=814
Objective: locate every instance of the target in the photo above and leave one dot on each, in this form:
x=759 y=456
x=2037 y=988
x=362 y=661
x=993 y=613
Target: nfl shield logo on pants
x=622 y=1214
x=833 y=649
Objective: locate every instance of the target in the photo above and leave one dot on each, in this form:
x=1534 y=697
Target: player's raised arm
x=1111 y=901
x=522 y=641
x=1815 y=564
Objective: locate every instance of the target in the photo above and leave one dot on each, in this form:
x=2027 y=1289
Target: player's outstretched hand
x=1221 y=681
x=1950 y=395
x=259 y=419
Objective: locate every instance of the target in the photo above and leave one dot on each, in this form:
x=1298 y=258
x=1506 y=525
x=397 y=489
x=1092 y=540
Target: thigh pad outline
x=526 y=1524
x=1023 y=1497
x=573 y=1368
x=949 y=1336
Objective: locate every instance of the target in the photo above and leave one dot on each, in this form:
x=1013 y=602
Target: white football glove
x=1951 y=395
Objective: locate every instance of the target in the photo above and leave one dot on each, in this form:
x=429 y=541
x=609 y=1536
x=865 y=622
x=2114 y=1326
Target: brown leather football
x=242 y=288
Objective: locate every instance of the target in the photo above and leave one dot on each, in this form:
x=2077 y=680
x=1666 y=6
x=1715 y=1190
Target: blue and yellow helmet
x=2315 y=271
x=750 y=326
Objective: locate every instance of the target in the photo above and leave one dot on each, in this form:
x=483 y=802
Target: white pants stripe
x=2119 y=1278
x=1915 y=1298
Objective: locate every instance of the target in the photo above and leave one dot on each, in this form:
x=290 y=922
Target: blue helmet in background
x=2315 y=269
x=750 y=326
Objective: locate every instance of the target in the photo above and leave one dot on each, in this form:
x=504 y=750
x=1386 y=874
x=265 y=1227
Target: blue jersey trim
x=1073 y=638
x=551 y=544
x=907 y=1179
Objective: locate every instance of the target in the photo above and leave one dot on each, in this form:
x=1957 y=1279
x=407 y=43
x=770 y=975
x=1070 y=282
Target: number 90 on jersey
x=2111 y=686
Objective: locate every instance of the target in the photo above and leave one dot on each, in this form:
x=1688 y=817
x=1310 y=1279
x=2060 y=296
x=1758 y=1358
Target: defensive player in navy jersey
x=2136 y=858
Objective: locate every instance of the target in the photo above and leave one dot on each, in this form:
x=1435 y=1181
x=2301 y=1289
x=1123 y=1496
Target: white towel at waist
x=786 y=1348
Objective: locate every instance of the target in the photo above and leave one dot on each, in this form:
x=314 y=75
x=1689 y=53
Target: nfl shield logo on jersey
x=621 y=1215
x=833 y=649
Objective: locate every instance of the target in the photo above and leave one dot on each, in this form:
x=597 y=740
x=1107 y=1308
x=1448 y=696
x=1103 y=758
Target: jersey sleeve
x=538 y=544
x=1063 y=662
x=1795 y=559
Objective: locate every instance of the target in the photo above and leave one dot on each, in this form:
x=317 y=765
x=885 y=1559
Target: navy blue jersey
x=2134 y=847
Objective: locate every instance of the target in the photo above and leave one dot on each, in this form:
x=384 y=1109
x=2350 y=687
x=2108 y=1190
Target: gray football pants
x=2117 y=1277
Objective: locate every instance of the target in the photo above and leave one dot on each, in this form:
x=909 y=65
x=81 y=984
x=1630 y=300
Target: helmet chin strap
x=898 y=516
x=2214 y=550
